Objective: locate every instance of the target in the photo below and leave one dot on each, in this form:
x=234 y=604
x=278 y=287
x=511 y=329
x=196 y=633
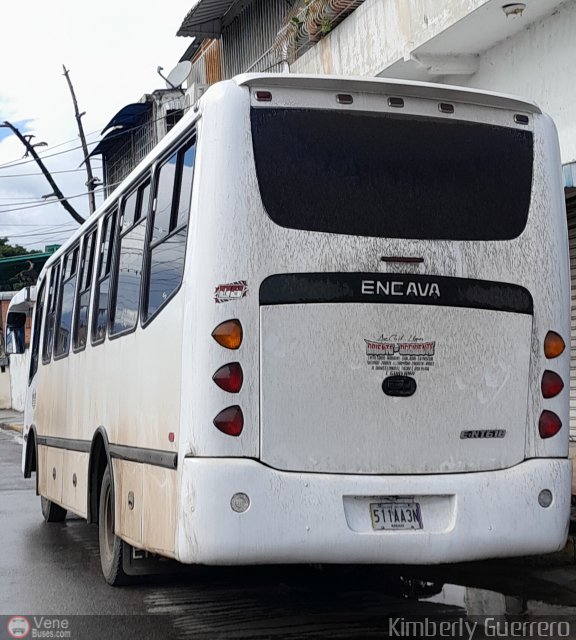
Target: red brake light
x=554 y=345
x=263 y=96
x=551 y=384
x=549 y=424
x=230 y=421
x=229 y=377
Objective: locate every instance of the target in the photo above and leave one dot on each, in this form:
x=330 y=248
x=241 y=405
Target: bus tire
x=51 y=511
x=110 y=544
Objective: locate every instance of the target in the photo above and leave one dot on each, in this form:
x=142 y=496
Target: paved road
x=53 y=570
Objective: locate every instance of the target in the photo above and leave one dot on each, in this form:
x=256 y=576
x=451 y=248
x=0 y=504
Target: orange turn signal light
x=228 y=334
x=554 y=345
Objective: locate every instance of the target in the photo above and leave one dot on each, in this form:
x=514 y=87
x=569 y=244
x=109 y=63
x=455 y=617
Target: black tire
x=51 y=511
x=110 y=544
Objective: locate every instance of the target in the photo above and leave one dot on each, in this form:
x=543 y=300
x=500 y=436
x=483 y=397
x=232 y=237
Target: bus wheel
x=110 y=544
x=51 y=511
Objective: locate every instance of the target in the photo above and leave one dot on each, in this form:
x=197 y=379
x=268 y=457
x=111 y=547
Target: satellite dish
x=178 y=75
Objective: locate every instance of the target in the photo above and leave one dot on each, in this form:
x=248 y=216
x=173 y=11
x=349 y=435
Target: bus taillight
x=554 y=345
x=549 y=424
x=228 y=334
x=229 y=377
x=551 y=384
x=230 y=421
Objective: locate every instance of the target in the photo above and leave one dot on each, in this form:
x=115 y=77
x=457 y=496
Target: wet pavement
x=53 y=570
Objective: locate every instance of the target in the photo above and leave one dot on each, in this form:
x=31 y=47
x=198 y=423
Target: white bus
x=324 y=321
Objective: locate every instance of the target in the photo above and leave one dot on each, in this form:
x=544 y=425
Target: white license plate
x=395 y=515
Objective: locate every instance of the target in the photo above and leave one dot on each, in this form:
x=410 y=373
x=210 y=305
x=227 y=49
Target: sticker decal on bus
x=231 y=291
x=397 y=354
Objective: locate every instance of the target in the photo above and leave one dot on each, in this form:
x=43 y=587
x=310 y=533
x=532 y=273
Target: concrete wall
x=18 y=379
x=538 y=63
x=5 y=392
x=381 y=32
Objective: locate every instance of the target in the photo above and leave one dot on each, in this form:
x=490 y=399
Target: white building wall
x=19 y=379
x=538 y=63
x=5 y=396
x=381 y=32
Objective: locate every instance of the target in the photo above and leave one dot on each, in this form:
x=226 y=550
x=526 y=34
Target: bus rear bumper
x=325 y=518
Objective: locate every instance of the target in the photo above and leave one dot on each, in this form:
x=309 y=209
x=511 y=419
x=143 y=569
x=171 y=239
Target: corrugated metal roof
x=204 y=20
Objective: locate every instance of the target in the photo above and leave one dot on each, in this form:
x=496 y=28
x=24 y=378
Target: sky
x=112 y=49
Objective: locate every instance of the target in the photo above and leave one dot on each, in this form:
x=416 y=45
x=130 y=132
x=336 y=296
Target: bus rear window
x=385 y=175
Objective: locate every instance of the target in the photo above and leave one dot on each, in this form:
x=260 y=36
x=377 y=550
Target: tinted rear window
x=388 y=175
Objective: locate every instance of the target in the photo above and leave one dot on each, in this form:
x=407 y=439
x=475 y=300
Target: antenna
x=177 y=76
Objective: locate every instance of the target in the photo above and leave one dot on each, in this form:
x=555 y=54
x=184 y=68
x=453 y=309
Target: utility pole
x=30 y=150
x=91 y=182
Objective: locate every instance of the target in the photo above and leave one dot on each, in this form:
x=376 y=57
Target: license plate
x=395 y=515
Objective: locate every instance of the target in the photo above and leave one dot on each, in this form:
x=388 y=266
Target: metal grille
x=248 y=41
x=267 y=35
x=207 y=64
x=138 y=143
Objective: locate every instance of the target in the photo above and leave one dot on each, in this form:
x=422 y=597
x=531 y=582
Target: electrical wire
x=39 y=173
x=43 y=200
x=43 y=155
x=19 y=236
x=56 y=200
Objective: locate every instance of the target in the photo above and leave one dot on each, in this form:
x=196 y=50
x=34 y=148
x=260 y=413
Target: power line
x=38 y=173
x=50 y=155
x=43 y=234
x=17 y=163
x=51 y=200
x=40 y=225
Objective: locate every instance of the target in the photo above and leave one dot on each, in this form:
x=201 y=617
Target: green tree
x=10 y=250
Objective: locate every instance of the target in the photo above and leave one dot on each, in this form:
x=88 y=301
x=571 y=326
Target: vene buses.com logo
x=18 y=627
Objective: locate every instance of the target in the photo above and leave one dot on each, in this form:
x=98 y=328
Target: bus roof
x=388 y=86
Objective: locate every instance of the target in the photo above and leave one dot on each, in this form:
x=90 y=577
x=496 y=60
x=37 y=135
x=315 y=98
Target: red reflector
x=230 y=421
x=229 y=377
x=263 y=96
x=549 y=424
x=171 y=436
x=551 y=384
x=344 y=98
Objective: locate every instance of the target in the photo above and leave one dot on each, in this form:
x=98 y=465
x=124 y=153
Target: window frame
x=91 y=232
x=54 y=276
x=63 y=282
x=181 y=148
x=110 y=215
x=38 y=330
x=145 y=181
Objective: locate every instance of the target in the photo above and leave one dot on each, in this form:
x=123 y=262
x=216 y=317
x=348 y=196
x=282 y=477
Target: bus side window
x=102 y=289
x=84 y=289
x=51 y=313
x=66 y=303
x=124 y=312
x=169 y=231
x=38 y=317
